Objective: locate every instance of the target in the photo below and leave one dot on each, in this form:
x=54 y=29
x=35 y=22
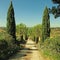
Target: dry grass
x=55 y=32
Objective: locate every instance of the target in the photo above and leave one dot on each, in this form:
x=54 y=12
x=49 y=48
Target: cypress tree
x=45 y=24
x=11 y=28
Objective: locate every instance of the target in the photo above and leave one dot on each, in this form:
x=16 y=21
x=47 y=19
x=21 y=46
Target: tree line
x=15 y=35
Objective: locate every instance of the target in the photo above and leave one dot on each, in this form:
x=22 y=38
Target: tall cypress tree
x=45 y=24
x=11 y=28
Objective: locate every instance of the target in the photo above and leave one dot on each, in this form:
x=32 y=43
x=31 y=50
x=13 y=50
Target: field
x=55 y=32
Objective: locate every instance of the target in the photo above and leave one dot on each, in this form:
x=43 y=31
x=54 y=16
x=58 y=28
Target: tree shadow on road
x=22 y=53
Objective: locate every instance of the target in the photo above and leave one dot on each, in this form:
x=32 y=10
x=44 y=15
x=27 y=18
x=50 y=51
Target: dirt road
x=30 y=52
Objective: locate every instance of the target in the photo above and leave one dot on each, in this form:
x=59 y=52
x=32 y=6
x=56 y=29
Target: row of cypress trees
x=11 y=26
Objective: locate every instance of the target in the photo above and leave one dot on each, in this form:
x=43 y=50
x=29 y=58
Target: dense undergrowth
x=51 y=48
x=7 y=46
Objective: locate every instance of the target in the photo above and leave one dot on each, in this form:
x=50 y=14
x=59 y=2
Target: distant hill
x=55 y=31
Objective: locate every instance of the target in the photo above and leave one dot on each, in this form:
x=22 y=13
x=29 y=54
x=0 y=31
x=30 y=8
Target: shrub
x=3 y=44
x=53 y=44
x=7 y=46
x=51 y=47
x=3 y=48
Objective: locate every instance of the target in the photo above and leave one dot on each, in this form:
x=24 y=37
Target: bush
x=3 y=44
x=3 y=48
x=7 y=46
x=53 y=44
x=51 y=47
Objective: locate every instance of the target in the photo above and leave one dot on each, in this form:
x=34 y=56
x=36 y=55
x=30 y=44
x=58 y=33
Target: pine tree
x=11 y=28
x=45 y=24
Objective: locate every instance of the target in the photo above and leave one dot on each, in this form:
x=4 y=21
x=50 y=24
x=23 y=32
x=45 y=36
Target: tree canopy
x=55 y=9
x=56 y=1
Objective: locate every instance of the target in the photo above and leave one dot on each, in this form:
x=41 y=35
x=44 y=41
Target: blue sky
x=29 y=12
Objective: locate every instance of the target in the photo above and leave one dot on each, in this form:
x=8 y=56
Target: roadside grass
x=50 y=48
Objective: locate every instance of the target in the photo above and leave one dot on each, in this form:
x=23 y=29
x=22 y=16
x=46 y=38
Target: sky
x=29 y=12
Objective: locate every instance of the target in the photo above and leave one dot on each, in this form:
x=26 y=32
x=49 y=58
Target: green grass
x=51 y=48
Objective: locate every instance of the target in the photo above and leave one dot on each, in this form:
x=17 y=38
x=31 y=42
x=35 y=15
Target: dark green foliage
x=22 y=41
x=3 y=44
x=21 y=37
x=7 y=47
x=55 y=9
x=26 y=37
x=37 y=40
x=34 y=38
x=3 y=48
x=56 y=1
x=45 y=24
x=11 y=29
